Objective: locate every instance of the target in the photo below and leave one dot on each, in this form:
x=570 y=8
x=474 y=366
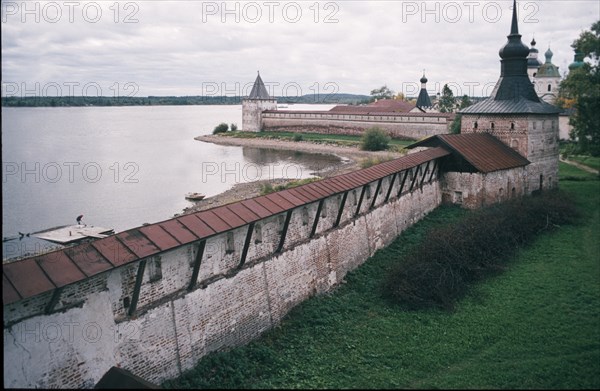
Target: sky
x=211 y=48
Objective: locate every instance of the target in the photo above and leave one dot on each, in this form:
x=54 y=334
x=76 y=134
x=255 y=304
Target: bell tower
x=517 y=116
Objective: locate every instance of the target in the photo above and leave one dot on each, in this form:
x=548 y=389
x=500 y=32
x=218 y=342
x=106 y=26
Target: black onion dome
x=423 y=79
x=514 y=48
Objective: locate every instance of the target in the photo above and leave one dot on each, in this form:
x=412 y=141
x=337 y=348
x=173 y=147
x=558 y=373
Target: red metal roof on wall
x=42 y=273
x=485 y=152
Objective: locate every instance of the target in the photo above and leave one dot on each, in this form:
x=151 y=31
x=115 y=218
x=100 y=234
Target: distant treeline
x=64 y=101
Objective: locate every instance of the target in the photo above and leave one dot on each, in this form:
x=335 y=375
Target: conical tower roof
x=259 y=91
x=514 y=93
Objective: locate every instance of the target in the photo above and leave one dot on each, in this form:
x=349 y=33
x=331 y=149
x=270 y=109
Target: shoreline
x=349 y=161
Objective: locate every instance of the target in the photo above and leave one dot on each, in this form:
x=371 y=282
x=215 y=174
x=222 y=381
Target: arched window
x=475 y=125
x=512 y=126
x=549 y=87
x=492 y=124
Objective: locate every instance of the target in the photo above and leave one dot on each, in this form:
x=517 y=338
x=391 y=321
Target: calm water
x=124 y=166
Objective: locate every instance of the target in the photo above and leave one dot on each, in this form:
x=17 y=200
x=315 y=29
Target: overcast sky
x=169 y=47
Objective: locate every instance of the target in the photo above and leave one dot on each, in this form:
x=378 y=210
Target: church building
x=508 y=146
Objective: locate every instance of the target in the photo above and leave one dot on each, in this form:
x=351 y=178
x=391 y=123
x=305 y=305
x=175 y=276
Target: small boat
x=194 y=196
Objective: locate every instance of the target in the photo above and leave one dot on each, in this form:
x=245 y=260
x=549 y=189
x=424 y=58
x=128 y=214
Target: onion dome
x=423 y=79
x=532 y=59
x=577 y=62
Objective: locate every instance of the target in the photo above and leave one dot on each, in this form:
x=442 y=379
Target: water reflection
x=309 y=164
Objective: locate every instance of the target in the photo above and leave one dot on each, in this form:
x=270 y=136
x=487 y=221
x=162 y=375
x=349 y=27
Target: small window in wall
x=512 y=126
x=492 y=125
x=154 y=269
x=549 y=87
x=458 y=197
x=475 y=125
x=230 y=245
x=257 y=233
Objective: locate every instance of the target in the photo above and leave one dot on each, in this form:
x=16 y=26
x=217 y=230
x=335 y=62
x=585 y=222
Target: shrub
x=221 y=128
x=441 y=269
x=234 y=127
x=374 y=139
x=297 y=137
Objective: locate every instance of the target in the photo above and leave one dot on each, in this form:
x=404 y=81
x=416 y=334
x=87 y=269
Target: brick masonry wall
x=403 y=127
x=534 y=136
x=474 y=190
x=173 y=328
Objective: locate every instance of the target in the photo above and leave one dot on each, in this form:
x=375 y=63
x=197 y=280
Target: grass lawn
x=537 y=325
x=314 y=137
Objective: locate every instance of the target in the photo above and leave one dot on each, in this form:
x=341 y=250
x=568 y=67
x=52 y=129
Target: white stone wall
x=173 y=328
x=252 y=113
x=474 y=190
x=534 y=136
x=407 y=127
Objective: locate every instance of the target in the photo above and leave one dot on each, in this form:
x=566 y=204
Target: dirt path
x=580 y=166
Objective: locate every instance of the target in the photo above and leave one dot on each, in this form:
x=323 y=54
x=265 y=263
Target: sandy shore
x=350 y=161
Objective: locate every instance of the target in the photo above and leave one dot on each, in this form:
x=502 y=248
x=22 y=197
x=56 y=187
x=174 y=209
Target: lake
x=122 y=167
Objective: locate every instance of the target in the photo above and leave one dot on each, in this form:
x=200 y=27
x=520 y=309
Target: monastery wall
x=408 y=126
x=179 y=320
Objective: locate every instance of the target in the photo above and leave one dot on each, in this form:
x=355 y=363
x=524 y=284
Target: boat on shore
x=194 y=196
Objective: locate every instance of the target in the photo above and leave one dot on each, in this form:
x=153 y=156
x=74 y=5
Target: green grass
x=537 y=325
x=338 y=139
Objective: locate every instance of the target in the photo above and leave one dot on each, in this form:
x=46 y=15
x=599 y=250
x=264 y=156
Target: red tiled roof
x=42 y=273
x=363 y=110
x=482 y=150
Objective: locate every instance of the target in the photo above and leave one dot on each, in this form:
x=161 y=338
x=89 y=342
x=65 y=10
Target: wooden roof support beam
x=414 y=178
x=379 y=182
x=53 y=300
x=316 y=222
x=197 y=262
x=362 y=196
x=341 y=209
x=403 y=182
x=424 y=174
x=389 y=192
x=286 y=225
x=435 y=167
x=136 y=289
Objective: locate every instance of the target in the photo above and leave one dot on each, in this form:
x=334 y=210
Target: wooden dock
x=73 y=233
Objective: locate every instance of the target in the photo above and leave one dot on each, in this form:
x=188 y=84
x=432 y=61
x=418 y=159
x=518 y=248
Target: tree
x=382 y=93
x=465 y=102
x=447 y=100
x=400 y=96
x=456 y=124
x=581 y=91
